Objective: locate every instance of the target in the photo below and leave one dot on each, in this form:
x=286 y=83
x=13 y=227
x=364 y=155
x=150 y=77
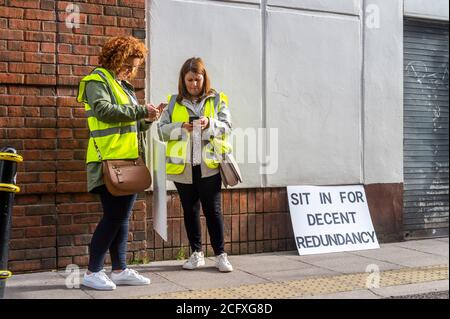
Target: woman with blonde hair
x=193 y=118
x=116 y=122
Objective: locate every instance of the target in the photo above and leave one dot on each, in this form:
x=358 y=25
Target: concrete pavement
x=396 y=269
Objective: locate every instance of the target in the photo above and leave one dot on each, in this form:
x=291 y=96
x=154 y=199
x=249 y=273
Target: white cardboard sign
x=159 y=208
x=329 y=219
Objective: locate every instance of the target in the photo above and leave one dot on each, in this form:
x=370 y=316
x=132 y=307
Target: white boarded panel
x=352 y=7
x=426 y=9
x=314 y=97
x=228 y=38
x=241 y=1
x=383 y=93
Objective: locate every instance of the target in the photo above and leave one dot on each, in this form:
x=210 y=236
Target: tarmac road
x=431 y=295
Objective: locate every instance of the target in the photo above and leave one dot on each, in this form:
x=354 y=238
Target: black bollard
x=8 y=170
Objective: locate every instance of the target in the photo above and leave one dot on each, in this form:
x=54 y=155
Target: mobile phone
x=161 y=106
x=193 y=118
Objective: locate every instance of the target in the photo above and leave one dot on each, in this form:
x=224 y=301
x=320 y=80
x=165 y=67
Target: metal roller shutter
x=426 y=137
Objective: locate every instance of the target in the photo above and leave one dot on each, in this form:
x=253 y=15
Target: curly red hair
x=118 y=49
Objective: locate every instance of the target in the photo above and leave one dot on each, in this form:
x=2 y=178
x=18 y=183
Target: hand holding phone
x=161 y=107
x=192 y=119
x=187 y=126
x=204 y=122
x=153 y=112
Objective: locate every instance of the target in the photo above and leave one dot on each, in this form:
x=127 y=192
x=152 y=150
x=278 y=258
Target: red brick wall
x=41 y=63
x=255 y=221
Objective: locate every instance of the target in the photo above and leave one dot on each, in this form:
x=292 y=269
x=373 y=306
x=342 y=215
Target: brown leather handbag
x=229 y=171
x=228 y=167
x=126 y=177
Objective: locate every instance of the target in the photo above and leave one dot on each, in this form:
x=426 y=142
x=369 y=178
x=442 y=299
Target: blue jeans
x=112 y=231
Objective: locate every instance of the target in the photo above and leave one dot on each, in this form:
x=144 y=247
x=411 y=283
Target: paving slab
x=159 y=284
x=261 y=263
x=45 y=285
x=350 y=263
x=434 y=247
x=403 y=290
x=160 y=268
x=207 y=278
x=355 y=294
x=402 y=256
x=133 y=292
x=296 y=274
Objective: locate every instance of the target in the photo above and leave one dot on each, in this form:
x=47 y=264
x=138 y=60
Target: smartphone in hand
x=161 y=107
x=193 y=118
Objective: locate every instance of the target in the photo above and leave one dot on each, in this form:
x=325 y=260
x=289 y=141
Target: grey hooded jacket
x=220 y=124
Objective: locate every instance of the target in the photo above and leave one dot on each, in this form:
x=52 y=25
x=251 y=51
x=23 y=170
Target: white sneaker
x=196 y=260
x=223 y=264
x=98 y=280
x=129 y=277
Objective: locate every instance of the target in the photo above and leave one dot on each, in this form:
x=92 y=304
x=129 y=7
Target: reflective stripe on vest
x=113 y=130
x=176 y=149
x=175 y=160
x=114 y=140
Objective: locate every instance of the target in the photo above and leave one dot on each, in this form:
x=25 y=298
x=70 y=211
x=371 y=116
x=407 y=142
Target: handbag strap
x=96 y=147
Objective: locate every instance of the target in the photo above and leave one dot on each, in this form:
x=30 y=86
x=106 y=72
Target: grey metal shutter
x=426 y=137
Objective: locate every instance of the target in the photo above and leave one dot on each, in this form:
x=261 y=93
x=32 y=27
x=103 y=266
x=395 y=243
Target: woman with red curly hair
x=116 y=123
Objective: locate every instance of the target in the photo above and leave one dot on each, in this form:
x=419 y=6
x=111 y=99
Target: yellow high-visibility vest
x=114 y=140
x=176 y=150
